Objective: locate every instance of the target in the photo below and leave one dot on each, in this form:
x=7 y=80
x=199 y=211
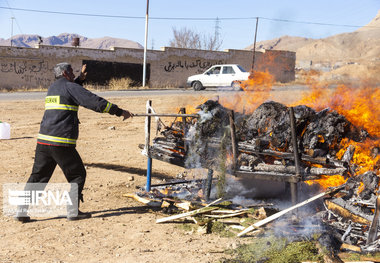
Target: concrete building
x=169 y=67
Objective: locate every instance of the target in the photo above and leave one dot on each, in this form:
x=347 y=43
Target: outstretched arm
x=126 y=114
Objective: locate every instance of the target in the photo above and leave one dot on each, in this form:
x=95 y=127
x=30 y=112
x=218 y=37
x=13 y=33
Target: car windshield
x=241 y=68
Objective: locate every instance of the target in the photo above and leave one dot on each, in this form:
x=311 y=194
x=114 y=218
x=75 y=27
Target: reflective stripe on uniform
x=108 y=107
x=60 y=107
x=56 y=139
x=52 y=103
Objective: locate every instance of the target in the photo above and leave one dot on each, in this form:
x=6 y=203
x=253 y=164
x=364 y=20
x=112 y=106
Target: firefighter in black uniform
x=58 y=134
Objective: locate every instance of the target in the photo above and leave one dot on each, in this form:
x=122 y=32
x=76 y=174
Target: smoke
x=193 y=158
x=211 y=124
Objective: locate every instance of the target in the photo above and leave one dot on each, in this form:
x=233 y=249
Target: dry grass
x=118 y=84
x=114 y=84
x=8 y=88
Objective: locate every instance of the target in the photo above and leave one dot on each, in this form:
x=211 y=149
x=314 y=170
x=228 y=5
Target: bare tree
x=211 y=42
x=187 y=38
x=214 y=42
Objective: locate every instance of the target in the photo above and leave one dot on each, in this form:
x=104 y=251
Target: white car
x=226 y=75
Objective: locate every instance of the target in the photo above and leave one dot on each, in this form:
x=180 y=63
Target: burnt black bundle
x=320 y=132
x=268 y=117
x=213 y=119
x=326 y=130
x=271 y=122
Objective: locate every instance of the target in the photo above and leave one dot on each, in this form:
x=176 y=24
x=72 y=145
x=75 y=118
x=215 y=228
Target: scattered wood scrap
x=283 y=212
x=191 y=213
x=357 y=229
x=210 y=211
x=227 y=215
x=146 y=201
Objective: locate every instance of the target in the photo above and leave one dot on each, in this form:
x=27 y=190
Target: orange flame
x=360 y=106
x=229 y=159
x=256 y=90
x=176 y=151
x=362 y=157
x=328 y=181
x=360 y=188
x=320 y=138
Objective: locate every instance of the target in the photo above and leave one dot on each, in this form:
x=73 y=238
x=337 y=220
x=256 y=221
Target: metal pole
x=165 y=115
x=254 y=44
x=183 y=112
x=145 y=42
x=147 y=143
x=208 y=184
x=293 y=185
x=233 y=139
x=294 y=142
x=12 y=18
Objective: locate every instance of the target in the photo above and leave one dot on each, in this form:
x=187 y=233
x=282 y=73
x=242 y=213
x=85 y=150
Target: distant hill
x=282 y=43
x=65 y=39
x=360 y=46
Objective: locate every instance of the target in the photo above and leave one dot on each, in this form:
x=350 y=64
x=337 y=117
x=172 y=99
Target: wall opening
x=101 y=72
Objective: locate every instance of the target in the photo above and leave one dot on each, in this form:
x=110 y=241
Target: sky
x=236 y=19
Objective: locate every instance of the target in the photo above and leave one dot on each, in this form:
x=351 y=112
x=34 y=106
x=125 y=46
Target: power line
x=184 y=18
x=13 y=15
x=69 y=13
x=311 y=23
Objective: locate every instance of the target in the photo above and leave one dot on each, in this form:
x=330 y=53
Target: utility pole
x=254 y=44
x=12 y=18
x=145 y=42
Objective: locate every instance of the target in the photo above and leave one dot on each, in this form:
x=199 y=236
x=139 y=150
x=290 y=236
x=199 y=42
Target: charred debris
x=261 y=145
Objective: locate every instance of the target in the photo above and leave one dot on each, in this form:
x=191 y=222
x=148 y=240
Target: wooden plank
x=227 y=215
x=220 y=211
x=214 y=202
x=269 y=176
x=143 y=200
x=346 y=213
x=183 y=204
x=372 y=233
x=279 y=168
x=346 y=246
x=191 y=213
x=244 y=146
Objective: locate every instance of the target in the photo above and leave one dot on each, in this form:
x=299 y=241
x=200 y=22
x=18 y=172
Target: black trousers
x=46 y=159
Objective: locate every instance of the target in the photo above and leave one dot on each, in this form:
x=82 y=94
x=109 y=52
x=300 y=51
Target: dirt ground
x=121 y=229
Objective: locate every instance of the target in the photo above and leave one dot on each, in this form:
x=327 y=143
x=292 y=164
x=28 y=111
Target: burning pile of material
x=337 y=136
x=263 y=141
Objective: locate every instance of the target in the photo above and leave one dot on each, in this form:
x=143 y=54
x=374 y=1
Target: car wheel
x=236 y=85
x=197 y=85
